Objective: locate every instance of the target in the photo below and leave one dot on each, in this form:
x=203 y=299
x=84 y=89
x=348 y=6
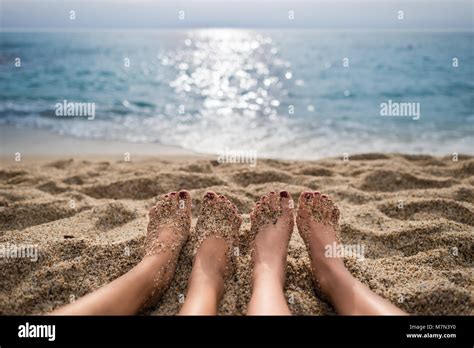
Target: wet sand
x=414 y=215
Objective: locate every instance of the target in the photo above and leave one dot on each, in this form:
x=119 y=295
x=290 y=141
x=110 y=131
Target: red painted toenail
x=183 y=194
x=284 y=194
x=317 y=193
x=272 y=193
x=173 y=193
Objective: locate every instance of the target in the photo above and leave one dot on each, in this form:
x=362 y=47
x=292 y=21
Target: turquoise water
x=211 y=90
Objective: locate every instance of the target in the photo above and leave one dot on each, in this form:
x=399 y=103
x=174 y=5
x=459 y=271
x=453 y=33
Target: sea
x=285 y=94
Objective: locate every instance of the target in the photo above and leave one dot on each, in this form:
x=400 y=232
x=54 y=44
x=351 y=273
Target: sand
x=414 y=215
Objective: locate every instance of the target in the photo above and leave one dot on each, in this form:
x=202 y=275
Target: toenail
x=222 y=196
x=284 y=194
x=317 y=193
x=183 y=194
x=173 y=193
x=308 y=195
x=324 y=196
x=166 y=196
x=272 y=193
x=210 y=195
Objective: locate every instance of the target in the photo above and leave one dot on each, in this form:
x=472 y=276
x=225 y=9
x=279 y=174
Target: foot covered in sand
x=271 y=225
x=216 y=235
x=318 y=224
x=167 y=231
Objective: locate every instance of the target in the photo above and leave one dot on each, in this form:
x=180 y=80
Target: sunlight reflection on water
x=234 y=78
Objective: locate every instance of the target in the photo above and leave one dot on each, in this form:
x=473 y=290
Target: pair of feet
x=272 y=222
x=215 y=237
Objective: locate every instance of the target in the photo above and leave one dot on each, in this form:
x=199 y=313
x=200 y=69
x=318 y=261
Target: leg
x=317 y=222
x=143 y=285
x=216 y=233
x=272 y=225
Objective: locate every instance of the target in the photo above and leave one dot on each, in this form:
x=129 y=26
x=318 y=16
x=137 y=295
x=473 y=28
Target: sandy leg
x=272 y=225
x=215 y=236
x=142 y=286
x=318 y=225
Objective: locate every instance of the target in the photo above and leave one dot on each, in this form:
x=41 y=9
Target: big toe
x=286 y=203
x=184 y=201
x=305 y=202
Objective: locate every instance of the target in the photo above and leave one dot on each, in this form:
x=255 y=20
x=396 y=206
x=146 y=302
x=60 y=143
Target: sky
x=322 y=14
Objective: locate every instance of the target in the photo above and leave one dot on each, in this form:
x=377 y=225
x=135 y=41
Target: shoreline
x=39 y=145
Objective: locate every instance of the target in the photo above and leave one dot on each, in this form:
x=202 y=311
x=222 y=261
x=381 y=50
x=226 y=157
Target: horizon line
x=118 y=29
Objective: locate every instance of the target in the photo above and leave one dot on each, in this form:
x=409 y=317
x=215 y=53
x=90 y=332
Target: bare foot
x=272 y=225
x=216 y=235
x=318 y=225
x=167 y=231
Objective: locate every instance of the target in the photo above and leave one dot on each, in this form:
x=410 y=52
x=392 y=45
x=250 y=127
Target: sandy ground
x=414 y=215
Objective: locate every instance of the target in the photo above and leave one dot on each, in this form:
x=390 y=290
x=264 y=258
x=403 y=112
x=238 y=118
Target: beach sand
x=414 y=215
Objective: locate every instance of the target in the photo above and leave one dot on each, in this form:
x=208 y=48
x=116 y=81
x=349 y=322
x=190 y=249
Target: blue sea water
x=217 y=89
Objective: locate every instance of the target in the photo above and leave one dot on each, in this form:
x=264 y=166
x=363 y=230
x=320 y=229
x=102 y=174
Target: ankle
x=215 y=277
x=263 y=274
x=329 y=274
x=203 y=283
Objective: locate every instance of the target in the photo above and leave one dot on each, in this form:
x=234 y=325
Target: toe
x=335 y=215
x=265 y=207
x=286 y=203
x=230 y=206
x=306 y=198
x=224 y=203
x=152 y=211
x=256 y=208
x=209 y=197
x=184 y=201
x=173 y=197
x=163 y=199
x=224 y=199
x=317 y=201
x=326 y=206
x=234 y=207
x=273 y=201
